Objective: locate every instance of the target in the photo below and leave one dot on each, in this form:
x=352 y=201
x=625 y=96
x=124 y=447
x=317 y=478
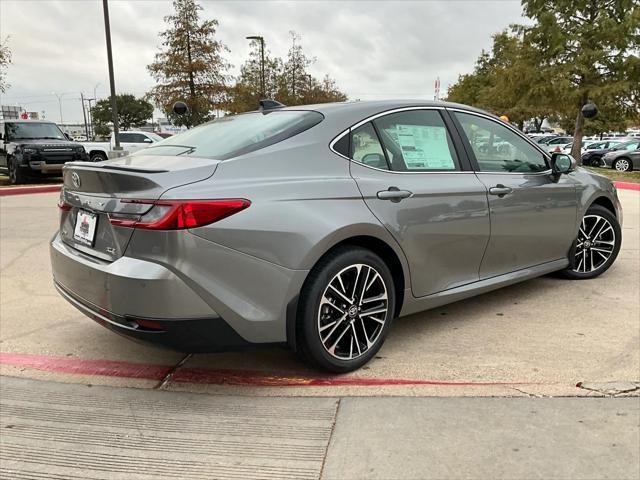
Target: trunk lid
x=104 y=188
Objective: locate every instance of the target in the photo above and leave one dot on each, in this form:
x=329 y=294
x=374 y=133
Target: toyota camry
x=316 y=226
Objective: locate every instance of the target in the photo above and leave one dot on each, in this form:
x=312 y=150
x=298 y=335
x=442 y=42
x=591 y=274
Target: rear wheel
x=16 y=175
x=597 y=245
x=622 y=164
x=98 y=157
x=346 y=308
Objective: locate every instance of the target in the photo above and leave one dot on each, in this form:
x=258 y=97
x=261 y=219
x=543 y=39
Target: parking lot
x=272 y=417
x=542 y=337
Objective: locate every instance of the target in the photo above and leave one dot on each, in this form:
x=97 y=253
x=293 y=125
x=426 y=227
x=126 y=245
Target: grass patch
x=631 y=177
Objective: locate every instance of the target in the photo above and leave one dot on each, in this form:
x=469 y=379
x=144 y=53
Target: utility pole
x=262 y=80
x=91 y=129
x=84 y=115
x=112 y=82
x=59 y=95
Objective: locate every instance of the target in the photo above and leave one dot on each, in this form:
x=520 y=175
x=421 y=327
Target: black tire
x=16 y=174
x=596 y=161
x=344 y=261
x=97 y=157
x=622 y=164
x=573 y=271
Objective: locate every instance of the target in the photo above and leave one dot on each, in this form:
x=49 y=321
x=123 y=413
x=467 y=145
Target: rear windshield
x=235 y=135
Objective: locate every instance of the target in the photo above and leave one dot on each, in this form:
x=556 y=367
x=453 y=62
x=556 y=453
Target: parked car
x=544 y=138
x=592 y=156
x=625 y=157
x=557 y=144
x=316 y=226
x=35 y=148
x=131 y=141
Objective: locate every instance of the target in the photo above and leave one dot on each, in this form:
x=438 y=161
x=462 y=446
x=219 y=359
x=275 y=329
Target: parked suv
x=30 y=148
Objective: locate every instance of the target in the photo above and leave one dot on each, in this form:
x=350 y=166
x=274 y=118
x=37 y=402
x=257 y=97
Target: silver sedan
x=316 y=226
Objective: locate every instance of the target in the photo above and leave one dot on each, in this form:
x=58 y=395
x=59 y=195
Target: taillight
x=180 y=214
x=62 y=204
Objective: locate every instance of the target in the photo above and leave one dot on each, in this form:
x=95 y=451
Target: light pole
x=89 y=116
x=59 y=95
x=112 y=82
x=261 y=40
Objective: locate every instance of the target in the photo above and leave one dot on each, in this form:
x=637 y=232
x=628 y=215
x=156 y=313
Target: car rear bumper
x=213 y=299
x=191 y=335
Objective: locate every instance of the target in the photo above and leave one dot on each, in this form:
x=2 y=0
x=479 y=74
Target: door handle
x=500 y=190
x=394 y=194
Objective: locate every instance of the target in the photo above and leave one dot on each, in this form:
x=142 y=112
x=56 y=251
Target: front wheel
x=98 y=157
x=346 y=308
x=597 y=245
x=16 y=175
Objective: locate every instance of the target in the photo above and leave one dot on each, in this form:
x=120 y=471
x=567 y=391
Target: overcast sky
x=374 y=50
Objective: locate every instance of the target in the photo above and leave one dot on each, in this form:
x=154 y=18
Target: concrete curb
x=27 y=190
x=216 y=376
x=627 y=186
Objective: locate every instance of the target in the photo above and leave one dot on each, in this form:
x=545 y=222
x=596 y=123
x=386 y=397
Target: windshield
x=33 y=131
x=235 y=135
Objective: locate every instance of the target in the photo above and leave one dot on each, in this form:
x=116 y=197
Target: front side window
x=417 y=141
x=498 y=149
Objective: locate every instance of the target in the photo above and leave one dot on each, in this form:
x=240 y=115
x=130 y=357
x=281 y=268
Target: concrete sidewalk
x=61 y=431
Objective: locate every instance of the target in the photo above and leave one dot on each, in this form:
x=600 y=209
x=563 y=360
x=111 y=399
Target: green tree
x=285 y=81
x=190 y=66
x=5 y=61
x=132 y=111
x=592 y=48
x=509 y=81
x=246 y=93
x=102 y=130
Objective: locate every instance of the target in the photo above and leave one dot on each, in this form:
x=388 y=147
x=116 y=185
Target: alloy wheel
x=595 y=244
x=622 y=165
x=353 y=311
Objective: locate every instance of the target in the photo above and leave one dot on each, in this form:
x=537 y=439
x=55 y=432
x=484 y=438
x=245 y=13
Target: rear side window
x=417 y=141
x=366 y=147
x=235 y=135
x=131 y=137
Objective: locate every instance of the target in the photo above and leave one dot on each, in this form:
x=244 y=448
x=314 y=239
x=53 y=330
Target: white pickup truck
x=130 y=140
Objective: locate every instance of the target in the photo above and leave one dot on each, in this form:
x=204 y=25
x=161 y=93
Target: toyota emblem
x=75 y=179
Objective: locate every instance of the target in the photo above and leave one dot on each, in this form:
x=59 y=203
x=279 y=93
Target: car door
x=420 y=188
x=533 y=213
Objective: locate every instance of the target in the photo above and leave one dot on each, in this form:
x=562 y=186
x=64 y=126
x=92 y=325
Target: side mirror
x=562 y=163
x=147 y=140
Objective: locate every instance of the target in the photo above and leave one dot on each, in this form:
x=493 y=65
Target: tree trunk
x=577 y=132
x=192 y=86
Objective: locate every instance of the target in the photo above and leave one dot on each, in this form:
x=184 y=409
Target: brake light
x=62 y=204
x=181 y=214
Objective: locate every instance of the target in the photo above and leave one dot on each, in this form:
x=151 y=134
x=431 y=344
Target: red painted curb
x=204 y=376
x=627 y=186
x=107 y=368
x=26 y=190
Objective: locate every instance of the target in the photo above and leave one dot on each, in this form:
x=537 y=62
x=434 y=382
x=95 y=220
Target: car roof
x=351 y=112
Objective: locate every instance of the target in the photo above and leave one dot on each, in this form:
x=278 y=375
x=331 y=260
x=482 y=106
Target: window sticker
x=424 y=147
